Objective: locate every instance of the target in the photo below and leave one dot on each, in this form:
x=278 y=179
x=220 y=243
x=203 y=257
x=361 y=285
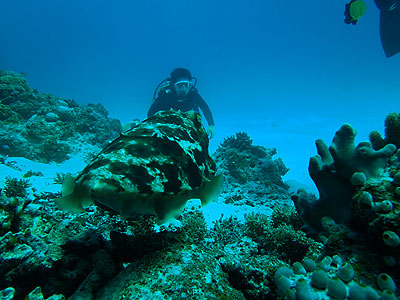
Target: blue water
x=287 y=72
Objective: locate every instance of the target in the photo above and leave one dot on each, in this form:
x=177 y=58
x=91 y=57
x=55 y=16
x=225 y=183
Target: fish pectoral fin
x=73 y=199
x=211 y=190
x=70 y=203
x=169 y=208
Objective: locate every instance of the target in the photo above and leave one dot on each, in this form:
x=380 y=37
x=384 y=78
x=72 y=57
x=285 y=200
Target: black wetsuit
x=168 y=99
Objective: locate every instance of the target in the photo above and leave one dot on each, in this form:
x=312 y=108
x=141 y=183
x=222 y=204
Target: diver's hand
x=210 y=131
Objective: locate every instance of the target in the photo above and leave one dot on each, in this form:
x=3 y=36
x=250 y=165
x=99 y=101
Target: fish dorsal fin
x=67 y=185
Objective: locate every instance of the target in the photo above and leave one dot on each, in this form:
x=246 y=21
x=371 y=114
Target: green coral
x=283 y=241
x=10 y=213
x=392 y=133
x=286 y=215
x=376 y=139
x=7 y=114
x=256 y=225
x=227 y=230
x=13 y=79
x=194 y=226
x=15 y=188
x=392 y=129
x=12 y=84
x=241 y=141
x=12 y=206
x=238 y=166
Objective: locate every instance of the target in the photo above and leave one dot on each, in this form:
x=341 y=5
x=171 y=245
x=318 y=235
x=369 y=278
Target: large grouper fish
x=152 y=169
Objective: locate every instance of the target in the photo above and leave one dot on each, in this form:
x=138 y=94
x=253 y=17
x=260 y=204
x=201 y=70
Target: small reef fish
x=152 y=169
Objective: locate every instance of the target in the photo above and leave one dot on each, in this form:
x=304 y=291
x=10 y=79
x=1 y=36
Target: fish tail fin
x=212 y=190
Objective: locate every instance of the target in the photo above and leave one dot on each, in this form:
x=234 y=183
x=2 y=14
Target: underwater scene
x=200 y=150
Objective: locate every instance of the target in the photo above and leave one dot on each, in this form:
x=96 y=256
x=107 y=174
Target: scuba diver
x=179 y=93
x=389 y=20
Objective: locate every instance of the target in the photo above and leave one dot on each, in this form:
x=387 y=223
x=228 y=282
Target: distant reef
x=46 y=128
x=251 y=175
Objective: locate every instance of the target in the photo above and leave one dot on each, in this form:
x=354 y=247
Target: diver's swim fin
x=389 y=26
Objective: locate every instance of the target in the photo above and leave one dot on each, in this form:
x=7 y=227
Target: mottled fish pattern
x=153 y=168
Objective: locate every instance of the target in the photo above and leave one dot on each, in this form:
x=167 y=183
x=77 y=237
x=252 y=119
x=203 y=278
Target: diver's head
x=181 y=79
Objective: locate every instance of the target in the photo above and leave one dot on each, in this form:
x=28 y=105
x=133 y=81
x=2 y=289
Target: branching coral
x=15 y=188
x=280 y=239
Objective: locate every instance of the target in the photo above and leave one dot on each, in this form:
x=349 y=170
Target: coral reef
x=279 y=237
x=357 y=214
x=46 y=128
x=46 y=253
x=15 y=187
x=50 y=254
x=251 y=174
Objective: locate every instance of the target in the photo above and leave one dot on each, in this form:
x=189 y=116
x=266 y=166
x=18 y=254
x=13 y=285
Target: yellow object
x=357 y=9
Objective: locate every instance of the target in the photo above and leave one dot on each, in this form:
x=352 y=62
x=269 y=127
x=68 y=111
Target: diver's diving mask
x=182 y=87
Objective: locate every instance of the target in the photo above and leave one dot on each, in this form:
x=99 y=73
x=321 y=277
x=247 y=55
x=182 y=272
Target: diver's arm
x=204 y=108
